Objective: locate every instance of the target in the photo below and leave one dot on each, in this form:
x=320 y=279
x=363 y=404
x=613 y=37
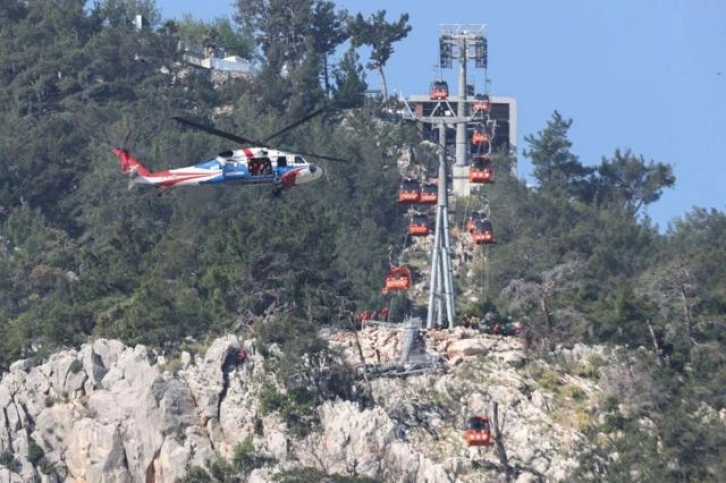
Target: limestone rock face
x=111 y=413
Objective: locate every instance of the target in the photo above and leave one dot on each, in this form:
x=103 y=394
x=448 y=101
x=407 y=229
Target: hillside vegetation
x=83 y=257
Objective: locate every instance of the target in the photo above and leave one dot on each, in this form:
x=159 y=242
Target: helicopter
x=254 y=165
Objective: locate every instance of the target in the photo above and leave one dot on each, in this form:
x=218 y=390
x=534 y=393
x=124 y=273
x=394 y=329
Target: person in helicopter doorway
x=253 y=167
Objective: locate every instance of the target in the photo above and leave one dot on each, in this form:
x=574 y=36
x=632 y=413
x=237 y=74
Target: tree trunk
x=384 y=88
x=655 y=341
x=325 y=74
x=499 y=443
x=687 y=319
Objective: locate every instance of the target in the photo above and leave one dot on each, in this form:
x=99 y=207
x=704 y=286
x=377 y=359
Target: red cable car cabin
x=480 y=135
x=419 y=225
x=482 y=233
x=481 y=169
x=409 y=191
x=398 y=278
x=478 y=431
x=439 y=90
x=429 y=194
x=481 y=104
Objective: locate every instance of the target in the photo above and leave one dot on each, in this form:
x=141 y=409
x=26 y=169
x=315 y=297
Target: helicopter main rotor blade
x=293 y=125
x=320 y=156
x=216 y=132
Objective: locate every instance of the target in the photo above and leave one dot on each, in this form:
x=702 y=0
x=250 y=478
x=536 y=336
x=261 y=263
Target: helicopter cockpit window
x=299 y=160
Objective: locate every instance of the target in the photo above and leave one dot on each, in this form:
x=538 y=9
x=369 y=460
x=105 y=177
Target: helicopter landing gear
x=277 y=187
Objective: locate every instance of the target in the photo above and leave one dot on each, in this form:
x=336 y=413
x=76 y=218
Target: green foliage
x=546 y=378
x=35 y=453
x=557 y=170
x=591 y=367
x=269 y=398
x=8 y=460
x=219 y=34
x=380 y=36
x=221 y=470
x=350 y=85
x=246 y=458
x=75 y=367
x=195 y=474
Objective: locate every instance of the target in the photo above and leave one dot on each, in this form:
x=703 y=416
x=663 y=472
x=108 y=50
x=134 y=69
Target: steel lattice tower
x=441 y=286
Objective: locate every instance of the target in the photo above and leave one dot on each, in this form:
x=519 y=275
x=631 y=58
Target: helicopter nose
x=315 y=171
x=310 y=173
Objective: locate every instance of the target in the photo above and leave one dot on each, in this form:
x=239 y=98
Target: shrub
x=269 y=398
x=35 y=452
x=245 y=458
x=75 y=367
x=548 y=379
x=8 y=460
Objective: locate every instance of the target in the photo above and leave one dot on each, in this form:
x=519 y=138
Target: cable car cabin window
x=429 y=193
x=409 y=191
x=409 y=185
x=439 y=90
x=478 y=424
x=481 y=162
x=281 y=161
x=481 y=103
x=474 y=217
x=480 y=136
x=420 y=220
x=419 y=225
x=483 y=226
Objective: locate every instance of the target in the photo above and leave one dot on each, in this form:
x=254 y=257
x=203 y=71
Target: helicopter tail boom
x=129 y=164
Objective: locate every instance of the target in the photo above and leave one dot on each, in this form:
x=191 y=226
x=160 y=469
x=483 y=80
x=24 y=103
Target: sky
x=645 y=75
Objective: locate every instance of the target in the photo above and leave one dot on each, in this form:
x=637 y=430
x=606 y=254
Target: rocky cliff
x=113 y=413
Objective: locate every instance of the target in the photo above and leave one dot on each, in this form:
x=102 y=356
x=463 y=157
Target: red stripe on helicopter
x=177 y=178
x=288 y=179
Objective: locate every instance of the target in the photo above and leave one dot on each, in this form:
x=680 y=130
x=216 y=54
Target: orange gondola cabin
x=409 y=191
x=481 y=104
x=478 y=431
x=439 y=90
x=480 y=136
x=481 y=169
x=419 y=225
x=429 y=194
x=397 y=278
x=482 y=232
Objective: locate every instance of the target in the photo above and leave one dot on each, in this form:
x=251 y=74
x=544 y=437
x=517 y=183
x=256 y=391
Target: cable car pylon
x=441 y=309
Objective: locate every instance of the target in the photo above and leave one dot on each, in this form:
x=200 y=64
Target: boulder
x=466 y=348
